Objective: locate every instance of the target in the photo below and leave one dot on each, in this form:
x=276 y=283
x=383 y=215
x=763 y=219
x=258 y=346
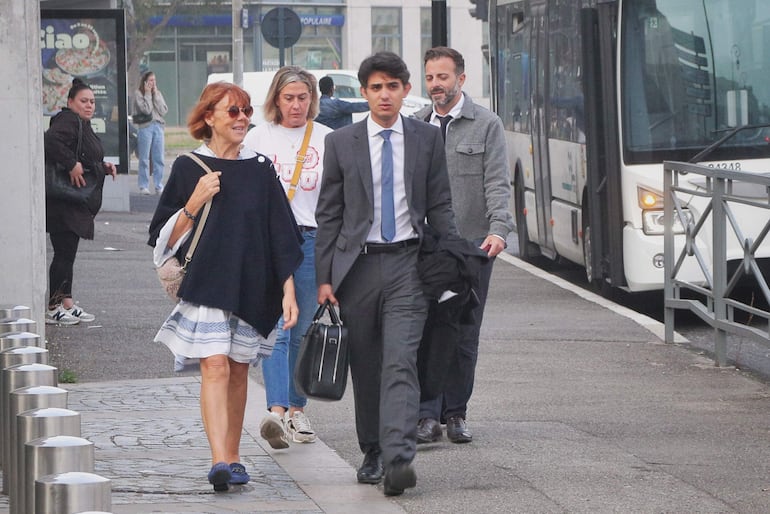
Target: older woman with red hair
x=239 y=281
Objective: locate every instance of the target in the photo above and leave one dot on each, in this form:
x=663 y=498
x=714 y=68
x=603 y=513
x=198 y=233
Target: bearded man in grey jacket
x=480 y=182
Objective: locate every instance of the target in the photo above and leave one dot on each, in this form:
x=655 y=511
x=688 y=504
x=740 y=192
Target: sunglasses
x=234 y=111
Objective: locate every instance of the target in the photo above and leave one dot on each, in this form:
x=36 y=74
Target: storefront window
x=386 y=29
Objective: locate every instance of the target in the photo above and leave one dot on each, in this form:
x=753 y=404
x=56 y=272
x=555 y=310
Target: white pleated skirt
x=194 y=331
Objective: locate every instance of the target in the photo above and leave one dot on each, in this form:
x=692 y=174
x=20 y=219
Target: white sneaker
x=60 y=316
x=79 y=313
x=300 y=429
x=273 y=431
x=158 y=190
x=144 y=191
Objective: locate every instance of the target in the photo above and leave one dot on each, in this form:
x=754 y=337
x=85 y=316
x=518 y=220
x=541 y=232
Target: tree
x=141 y=34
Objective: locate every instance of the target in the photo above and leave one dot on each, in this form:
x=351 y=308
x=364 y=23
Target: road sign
x=281 y=27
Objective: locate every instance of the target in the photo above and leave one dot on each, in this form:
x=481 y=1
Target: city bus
x=596 y=94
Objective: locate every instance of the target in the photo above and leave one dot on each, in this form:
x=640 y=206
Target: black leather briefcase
x=321 y=371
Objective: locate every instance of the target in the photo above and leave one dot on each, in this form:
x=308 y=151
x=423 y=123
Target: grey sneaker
x=60 y=316
x=273 y=431
x=300 y=429
x=79 y=313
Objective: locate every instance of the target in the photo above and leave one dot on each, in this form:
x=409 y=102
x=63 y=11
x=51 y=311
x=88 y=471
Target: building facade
x=335 y=34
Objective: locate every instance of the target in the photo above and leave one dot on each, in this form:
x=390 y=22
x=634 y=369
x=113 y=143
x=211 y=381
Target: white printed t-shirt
x=281 y=144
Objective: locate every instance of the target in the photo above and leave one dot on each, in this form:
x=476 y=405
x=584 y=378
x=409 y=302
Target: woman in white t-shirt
x=290 y=106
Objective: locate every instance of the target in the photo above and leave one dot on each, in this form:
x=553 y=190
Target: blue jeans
x=149 y=145
x=278 y=370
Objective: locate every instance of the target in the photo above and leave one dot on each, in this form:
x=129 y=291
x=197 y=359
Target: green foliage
x=67 y=376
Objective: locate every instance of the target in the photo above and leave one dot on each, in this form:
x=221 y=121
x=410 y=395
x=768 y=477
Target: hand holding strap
x=204 y=215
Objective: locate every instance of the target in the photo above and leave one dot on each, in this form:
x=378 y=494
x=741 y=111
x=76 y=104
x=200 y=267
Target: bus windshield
x=691 y=71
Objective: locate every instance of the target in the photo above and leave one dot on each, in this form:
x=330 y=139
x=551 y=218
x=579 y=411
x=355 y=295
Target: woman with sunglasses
x=291 y=104
x=239 y=281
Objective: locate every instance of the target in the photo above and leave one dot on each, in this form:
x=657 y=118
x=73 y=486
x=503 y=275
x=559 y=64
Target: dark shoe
x=457 y=431
x=220 y=476
x=399 y=476
x=238 y=474
x=428 y=431
x=370 y=471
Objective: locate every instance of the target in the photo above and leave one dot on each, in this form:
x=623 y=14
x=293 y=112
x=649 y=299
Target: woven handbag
x=172 y=272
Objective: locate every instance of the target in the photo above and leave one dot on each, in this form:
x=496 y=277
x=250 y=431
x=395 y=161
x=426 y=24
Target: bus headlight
x=652 y=222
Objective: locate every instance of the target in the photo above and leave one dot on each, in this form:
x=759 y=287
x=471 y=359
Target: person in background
x=239 y=280
x=336 y=113
x=480 y=181
x=383 y=177
x=149 y=100
x=290 y=106
x=66 y=223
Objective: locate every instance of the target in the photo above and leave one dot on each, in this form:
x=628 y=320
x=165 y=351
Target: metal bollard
x=64 y=493
x=15 y=377
x=14 y=312
x=41 y=412
x=51 y=455
x=18 y=325
x=12 y=357
x=18 y=339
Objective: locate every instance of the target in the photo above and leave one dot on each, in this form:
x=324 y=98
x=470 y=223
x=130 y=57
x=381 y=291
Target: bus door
x=541 y=171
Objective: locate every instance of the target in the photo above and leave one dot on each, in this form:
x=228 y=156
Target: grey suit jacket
x=345 y=210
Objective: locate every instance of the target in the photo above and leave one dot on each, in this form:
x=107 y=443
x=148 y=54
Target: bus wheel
x=526 y=248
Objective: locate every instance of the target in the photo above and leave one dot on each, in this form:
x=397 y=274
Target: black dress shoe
x=370 y=471
x=399 y=476
x=457 y=431
x=428 y=431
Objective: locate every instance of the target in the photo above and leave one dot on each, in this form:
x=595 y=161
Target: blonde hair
x=282 y=78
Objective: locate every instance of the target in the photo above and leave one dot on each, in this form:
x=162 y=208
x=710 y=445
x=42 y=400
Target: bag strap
x=300 y=161
x=204 y=214
x=327 y=305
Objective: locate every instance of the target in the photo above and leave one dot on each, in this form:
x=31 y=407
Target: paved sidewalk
x=149 y=441
x=578 y=407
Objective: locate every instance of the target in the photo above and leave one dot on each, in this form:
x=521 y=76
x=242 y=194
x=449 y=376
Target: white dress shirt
x=404 y=228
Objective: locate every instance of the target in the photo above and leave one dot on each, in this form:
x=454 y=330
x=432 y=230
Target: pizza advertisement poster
x=89 y=45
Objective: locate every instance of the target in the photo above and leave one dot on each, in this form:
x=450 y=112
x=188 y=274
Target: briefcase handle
x=327 y=305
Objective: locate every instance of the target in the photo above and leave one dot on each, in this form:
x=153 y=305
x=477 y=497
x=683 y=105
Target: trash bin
x=41 y=411
x=17 y=339
x=52 y=455
x=12 y=357
x=15 y=377
x=14 y=312
x=18 y=325
x=64 y=493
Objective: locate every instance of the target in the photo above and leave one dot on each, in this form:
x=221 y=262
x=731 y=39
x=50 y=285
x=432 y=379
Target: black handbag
x=321 y=371
x=59 y=187
x=140 y=118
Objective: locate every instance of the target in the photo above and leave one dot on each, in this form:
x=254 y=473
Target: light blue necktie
x=388 y=224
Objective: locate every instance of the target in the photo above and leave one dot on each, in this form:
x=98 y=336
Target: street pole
x=238 y=26
x=438 y=23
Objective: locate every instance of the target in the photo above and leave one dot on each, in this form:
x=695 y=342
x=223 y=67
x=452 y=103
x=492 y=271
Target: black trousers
x=65 y=247
x=461 y=374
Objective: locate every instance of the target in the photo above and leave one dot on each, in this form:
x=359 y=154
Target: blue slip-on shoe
x=220 y=476
x=239 y=475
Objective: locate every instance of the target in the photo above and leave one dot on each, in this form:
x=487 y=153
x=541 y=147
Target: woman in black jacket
x=68 y=222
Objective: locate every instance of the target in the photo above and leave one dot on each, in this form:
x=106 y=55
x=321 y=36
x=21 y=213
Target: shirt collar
x=373 y=128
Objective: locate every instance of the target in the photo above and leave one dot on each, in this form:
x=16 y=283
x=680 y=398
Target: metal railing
x=705 y=201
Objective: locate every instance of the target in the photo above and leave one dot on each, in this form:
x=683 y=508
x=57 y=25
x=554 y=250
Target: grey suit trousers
x=384 y=308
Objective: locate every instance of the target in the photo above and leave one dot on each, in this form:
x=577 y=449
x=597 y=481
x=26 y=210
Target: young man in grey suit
x=383 y=177
x=481 y=188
